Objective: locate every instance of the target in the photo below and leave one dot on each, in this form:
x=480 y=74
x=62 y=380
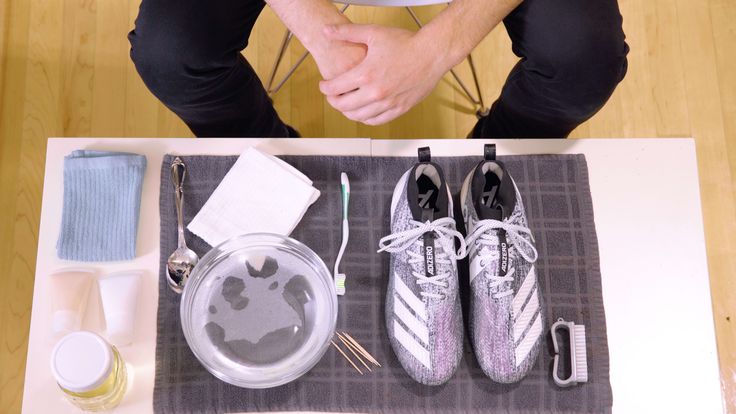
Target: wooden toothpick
x=346 y=357
x=361 y=349
x=350 y=347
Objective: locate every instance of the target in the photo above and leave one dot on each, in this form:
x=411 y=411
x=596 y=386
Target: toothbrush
x=345 y=190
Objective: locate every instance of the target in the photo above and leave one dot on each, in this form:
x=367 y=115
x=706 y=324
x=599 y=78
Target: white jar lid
x=81 y=361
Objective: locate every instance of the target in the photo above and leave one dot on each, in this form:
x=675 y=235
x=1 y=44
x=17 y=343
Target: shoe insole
x=489 y=198
x=427 y=192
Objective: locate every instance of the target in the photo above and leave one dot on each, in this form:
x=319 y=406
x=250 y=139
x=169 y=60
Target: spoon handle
x=178 y=173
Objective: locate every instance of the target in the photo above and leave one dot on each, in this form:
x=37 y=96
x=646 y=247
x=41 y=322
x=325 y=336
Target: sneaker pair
x=423 y=311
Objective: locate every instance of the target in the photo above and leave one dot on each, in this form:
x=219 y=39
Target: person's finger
x=387 y=116
x=356 y=99
x=369 y=111
x=350 y=32
x=347 y=82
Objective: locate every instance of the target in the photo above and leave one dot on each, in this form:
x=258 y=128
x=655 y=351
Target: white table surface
x=652 y=250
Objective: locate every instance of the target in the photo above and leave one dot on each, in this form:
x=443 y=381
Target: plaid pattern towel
x=556 y=194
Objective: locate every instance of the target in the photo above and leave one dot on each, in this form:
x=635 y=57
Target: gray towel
x=557 y=196
x=102 y=198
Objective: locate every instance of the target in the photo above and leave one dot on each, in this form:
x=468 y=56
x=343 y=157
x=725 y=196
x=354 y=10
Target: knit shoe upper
x=506 y=319
x=423 y=316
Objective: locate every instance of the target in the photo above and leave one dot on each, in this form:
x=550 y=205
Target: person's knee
x=584 y=67
x=170 y=65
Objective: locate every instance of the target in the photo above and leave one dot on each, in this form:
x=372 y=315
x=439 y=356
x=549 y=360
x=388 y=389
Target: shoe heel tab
x=489 y=152
x=424 y=154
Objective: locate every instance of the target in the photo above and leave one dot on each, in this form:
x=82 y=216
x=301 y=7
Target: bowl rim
x=197 y=277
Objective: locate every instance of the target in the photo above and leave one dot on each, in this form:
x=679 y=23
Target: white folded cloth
x=260 y=193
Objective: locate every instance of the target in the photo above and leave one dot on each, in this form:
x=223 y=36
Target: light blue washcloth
x=102 y=198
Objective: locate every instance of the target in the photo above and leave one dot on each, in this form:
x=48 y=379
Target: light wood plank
x=77 y=66
x=110 y=62
x=723 y=15
x=639 y=110
x=719 y=211
x=13 y=344
x=668 y=81
x=40 y=99
x=4 y=30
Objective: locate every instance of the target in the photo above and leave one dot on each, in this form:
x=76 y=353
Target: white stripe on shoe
x=414 y=325
x=527 y=286
x=410 y=298
x=522 y=322
x=526 y=345
x=410 y=344
x=474 y=268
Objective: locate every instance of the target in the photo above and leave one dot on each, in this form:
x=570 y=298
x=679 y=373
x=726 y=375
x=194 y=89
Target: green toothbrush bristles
x=340 y=283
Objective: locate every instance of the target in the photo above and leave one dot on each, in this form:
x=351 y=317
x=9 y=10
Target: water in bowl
x=261 y=309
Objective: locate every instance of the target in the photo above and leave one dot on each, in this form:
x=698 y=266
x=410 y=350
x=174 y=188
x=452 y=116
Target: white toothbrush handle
x=345 y=196
x=343 y=245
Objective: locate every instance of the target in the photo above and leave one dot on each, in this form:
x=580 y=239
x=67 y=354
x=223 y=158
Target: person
x=572 y=56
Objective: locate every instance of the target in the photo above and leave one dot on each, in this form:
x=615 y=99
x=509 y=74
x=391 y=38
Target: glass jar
x=90 y=372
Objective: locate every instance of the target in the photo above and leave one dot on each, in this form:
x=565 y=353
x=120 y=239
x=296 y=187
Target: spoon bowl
x=179 y=266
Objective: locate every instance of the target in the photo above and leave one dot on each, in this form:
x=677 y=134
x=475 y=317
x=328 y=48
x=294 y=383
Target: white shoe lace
x=444 y=229
x=482 y=237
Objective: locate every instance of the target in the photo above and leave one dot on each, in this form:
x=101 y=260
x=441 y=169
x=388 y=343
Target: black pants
x=572 y=54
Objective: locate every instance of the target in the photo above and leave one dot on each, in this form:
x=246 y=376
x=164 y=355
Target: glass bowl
x=259 y=310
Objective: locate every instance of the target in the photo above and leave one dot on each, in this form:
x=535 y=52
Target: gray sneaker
x=423 y=316
x=506 y=319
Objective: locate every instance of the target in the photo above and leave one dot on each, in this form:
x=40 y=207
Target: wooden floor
x=65 y=72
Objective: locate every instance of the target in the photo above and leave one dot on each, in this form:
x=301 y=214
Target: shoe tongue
x=495 y=198
x=431 y=201
x=429 y=251
x=428 y=245
x=427 y=215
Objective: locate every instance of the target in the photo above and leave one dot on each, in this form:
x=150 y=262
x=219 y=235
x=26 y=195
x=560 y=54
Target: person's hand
x=336 y=57
x=400 y=69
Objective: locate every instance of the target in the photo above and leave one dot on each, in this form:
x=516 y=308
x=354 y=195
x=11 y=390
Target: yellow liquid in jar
x=108 y=394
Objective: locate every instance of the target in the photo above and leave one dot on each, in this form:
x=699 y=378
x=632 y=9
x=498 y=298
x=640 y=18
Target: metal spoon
x=183 y=260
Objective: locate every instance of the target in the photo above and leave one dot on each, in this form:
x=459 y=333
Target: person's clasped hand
x=399 y=70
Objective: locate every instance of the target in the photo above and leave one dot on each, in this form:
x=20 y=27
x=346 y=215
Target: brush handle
x=578 y=353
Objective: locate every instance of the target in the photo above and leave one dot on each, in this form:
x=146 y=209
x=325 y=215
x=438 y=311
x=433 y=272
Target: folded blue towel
x=102 y=197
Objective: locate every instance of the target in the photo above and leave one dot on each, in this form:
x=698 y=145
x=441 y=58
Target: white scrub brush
x=578 y=354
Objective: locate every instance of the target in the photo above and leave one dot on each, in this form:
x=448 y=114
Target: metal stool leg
x=291 y=71
x=282 y=51
x=482 y=111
